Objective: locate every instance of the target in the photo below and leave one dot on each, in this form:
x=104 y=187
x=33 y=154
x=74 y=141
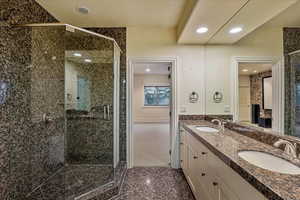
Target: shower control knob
x=46 y=118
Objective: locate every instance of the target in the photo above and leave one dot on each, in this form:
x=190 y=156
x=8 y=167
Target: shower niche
x=74 y=109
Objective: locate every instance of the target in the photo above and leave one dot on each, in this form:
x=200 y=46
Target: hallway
x=151 y=144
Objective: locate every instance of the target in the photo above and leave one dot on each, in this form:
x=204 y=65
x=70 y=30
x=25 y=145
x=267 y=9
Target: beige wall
x=204 y=69
x=141 y=113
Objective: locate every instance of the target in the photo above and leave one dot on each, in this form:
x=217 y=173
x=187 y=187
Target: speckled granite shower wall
x=18 y=129
x=90 y=135
x=256 y=92
x=291 y=42
x=119 y=34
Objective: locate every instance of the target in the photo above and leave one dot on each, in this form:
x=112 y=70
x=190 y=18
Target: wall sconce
x=194 y=97
x=218 y=97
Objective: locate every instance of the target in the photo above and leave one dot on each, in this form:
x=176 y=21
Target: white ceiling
x=288 y=18
x=117 y=13
x=254 y=68
x=212 y=14
x=155 y=68
x=184 y=15
x=220 y=17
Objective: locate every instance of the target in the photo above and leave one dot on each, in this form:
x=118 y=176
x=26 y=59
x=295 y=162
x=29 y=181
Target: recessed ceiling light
x=88 y=60
x=83 y=10
x=77 y=54
x=201 y=30
x=148 y=70
x=245 y=70
x=254 y=71
x=235 y=30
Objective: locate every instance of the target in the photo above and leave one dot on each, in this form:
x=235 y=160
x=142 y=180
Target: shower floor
x=73 y=181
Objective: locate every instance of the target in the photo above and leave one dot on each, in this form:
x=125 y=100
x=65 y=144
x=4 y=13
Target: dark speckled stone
x=155 y=183
x=291 y=43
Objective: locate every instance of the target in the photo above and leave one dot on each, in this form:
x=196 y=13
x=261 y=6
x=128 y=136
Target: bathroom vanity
x=212 y=163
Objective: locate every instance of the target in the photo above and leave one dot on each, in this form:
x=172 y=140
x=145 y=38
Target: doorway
x=152 y=112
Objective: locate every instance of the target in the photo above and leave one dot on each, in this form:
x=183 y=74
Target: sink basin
x=207 y=129
x=269 y=162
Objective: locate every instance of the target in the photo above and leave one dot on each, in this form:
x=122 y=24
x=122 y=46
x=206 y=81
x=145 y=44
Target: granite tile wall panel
x=256 y=92
x=23 y=12
x=46 y=97
x=89 y=141
x=15 y=59
x=291 y=43
x=119 y=34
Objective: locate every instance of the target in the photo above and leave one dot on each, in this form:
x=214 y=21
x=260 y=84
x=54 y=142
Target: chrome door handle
x=108 y=112
x=104 y=112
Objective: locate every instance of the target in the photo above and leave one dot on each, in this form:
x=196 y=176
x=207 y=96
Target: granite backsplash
x=262 y=136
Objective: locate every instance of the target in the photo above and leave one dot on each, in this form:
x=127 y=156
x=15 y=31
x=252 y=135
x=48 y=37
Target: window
x=157 y=95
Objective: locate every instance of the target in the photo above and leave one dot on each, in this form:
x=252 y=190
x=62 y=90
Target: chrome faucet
x=220 y=124
x=290 y=149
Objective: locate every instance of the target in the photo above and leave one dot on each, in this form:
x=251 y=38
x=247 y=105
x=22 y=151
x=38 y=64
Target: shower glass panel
x=295 y=94
x=89 y=90
x=73 y=99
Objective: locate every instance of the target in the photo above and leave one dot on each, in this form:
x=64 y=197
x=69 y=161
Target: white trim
x=174 y=117
x=235 y=84
x=116 y=122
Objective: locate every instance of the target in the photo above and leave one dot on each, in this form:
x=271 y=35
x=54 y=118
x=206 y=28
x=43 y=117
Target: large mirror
x=255 y=95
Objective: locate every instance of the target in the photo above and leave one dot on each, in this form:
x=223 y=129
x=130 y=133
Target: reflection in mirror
x=81 y=79
x=255 y=95
x=295 y=111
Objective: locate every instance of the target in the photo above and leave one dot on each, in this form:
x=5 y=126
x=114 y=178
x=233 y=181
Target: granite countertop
x=272 y=185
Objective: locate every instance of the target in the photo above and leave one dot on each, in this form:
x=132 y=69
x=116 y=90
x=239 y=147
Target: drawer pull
x=203 y=174
x=204 y=153
x=195 y=157
x=181 y=143
x=215 y=183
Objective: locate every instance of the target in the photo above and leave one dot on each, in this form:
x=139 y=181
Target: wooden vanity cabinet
x=208 y=176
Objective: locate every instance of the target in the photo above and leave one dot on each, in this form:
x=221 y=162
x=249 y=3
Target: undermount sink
x=207 y=129
x=269 y=162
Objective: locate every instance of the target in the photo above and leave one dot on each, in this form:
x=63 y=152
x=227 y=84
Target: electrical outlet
x=226 y=108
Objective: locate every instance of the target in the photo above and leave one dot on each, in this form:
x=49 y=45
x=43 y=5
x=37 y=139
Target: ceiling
x=155 y=68
x=219 y=16
x=254 y=68
x=116 y=13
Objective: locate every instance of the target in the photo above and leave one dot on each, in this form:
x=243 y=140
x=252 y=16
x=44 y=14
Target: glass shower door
x=89 y=107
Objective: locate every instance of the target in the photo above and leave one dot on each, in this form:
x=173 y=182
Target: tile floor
x=155 y=183
x=151 y=144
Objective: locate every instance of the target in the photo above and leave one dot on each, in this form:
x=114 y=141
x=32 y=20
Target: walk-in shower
x=73 y=85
